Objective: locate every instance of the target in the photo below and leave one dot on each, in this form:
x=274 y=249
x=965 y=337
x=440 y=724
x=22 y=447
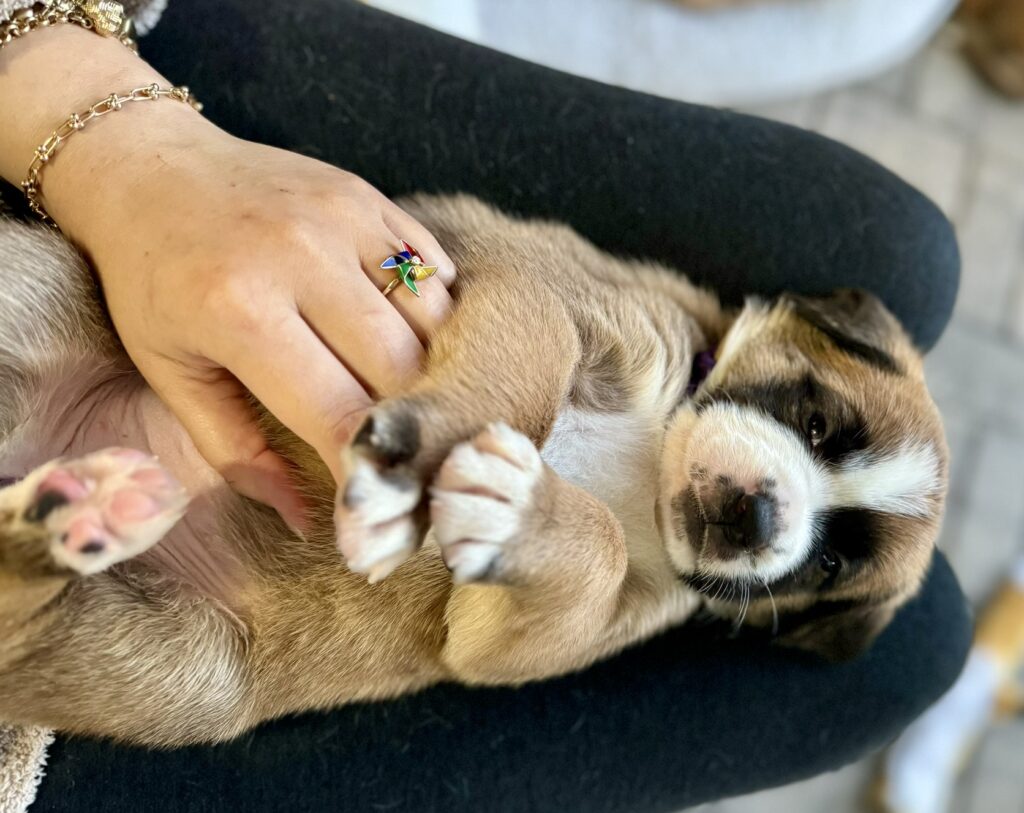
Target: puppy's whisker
x=741 y=616
x=775 y=610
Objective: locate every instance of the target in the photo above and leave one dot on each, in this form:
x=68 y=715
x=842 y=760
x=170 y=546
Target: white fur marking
x=375 y=534
x=749 y=447
x=903 y=482
x=613 y=456
x=616 y=457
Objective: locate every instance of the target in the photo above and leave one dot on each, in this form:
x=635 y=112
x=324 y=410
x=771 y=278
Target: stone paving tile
x=931 y=158
x=978 y=383
x=991 y=530
x=1002 y=126
x=991 y=234
x=945 y=89
x=979 y=373
x=1015 y=315
x=994 y=784
x=897 y=84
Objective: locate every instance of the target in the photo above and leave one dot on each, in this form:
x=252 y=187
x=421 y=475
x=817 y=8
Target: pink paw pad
x=132 y=506
x=105 y=507
x=85 y=535
x=63 y=483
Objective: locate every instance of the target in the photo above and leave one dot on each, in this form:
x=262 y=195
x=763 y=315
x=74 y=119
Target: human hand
x=230 y=267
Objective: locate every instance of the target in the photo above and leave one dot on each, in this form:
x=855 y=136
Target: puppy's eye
x=816 y=428
x=830 y=563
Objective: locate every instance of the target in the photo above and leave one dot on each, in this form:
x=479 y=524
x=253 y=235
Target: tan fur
x=994 y=42
x=545 y=321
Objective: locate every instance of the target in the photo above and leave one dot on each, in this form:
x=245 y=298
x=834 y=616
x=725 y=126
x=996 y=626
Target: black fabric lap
x=676 y=722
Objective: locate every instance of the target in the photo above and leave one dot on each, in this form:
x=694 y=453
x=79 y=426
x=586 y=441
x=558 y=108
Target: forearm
x=50 y=74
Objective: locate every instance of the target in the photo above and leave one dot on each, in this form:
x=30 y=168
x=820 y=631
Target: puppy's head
x=802 y=488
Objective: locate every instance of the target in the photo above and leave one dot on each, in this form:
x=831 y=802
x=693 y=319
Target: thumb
x=219 y=417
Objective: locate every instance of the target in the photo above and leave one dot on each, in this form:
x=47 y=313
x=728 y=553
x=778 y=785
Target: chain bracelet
x=32 y=185
x=101 y=16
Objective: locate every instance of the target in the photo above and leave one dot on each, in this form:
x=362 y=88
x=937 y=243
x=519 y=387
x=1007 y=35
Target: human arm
x=228 y=267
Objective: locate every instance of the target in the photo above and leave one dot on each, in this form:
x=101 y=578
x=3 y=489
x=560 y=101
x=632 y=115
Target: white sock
x=922 y=766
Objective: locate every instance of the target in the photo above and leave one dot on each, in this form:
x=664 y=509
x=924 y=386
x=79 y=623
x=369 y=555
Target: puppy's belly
x=127 y=413
x=615 y=457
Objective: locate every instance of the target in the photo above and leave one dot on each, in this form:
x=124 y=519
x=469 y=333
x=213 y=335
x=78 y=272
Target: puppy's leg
x=117 y=652
x=540 y=564
x=507 y=354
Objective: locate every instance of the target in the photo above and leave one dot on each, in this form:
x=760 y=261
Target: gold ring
x=409 y=269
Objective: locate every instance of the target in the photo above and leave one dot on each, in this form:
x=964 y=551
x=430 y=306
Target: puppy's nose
x=748 y=521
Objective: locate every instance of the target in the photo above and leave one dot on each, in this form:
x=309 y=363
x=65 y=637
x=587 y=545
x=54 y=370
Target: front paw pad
x=480 y=499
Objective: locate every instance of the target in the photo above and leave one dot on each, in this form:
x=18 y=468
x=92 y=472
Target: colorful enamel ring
x=409 y=269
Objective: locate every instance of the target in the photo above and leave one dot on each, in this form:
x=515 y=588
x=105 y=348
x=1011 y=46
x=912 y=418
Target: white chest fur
x=614 y=457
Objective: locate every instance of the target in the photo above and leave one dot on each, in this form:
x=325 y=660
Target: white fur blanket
x=22 y=759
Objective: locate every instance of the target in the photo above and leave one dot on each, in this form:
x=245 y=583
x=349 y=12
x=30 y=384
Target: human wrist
x=42 y=83
x=47 y=74
x=104 y=176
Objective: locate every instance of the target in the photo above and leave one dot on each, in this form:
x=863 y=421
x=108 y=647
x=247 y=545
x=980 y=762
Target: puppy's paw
x=375 y=514
x=481 y=499
x=100 y=509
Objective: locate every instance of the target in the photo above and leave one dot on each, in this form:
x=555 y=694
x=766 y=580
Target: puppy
x=574 y=498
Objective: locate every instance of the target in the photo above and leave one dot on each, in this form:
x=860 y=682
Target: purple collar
x=8 y=481
x=703 y=364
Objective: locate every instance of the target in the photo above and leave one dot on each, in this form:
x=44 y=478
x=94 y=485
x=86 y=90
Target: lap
x=678 y=721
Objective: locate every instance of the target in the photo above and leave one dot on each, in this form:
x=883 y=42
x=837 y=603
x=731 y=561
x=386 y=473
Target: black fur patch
x=851 y=532
x=843 y=339
x=45 y=504
x=393 y=437
x=792 y=404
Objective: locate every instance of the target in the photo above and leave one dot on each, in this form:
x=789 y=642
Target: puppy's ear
x=842 y=636
x=857 y=323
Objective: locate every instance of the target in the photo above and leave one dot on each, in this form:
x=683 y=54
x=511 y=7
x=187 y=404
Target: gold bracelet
x=45 y=152
x=105 y=17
